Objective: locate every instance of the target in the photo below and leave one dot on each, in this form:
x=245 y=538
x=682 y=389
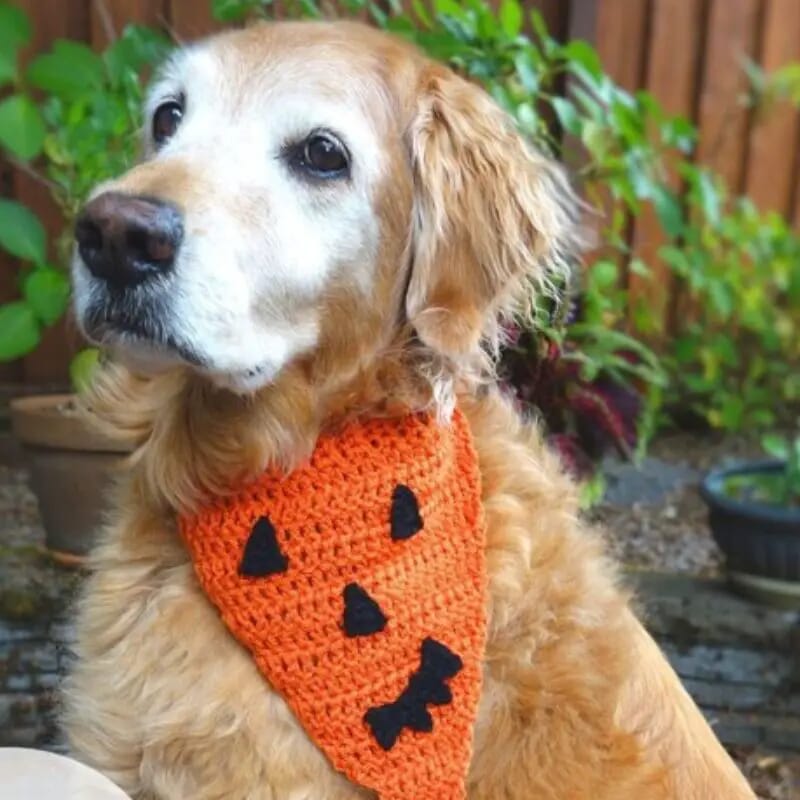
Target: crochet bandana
x=358 y=584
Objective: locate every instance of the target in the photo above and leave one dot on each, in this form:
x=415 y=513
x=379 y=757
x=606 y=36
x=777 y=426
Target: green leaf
x=19 y=331
x=136 y=48
x=21 y=233
x=70 y=71
x=47 y=291
x=83 y=368
x=709 y=196
x=731 y=413
x=539 y=25
x=603 y=275
x=721 y=299
x=567 y=115
x=15 y=28
x=582 y=53
x=525 y=64
x=401 y=24
x=309 y=8
x=511 y=17
x=527 y=118
x=640 y=268
x=230 y=10
x=775 y=445
x=22 y=130
x=380 y=17
x=679 y=132
x=669 y=210
x=421 y=13
x=449 y=8
x=8 y=66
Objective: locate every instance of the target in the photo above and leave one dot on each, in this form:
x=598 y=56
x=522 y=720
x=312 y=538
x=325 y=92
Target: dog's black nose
x=125 y=239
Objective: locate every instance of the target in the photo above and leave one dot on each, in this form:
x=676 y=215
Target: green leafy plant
x=787 y=449
x=781 y=488
x=733 y=357
x=69 y=121
x=736 y=350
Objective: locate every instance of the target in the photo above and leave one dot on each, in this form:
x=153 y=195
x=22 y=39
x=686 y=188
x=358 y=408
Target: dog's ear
x=493 y=221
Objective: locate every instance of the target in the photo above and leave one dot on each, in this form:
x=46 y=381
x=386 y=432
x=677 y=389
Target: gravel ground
x=654 y=518
x=653 y=515
x=30 y=583
x=772 y=777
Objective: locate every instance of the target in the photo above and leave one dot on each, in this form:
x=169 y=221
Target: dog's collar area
x=358 y=584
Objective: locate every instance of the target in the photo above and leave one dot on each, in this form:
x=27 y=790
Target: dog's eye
x=322 y=155
x=166 y=120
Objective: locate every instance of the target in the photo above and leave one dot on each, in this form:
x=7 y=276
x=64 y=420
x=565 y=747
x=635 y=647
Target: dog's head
x=317 y=193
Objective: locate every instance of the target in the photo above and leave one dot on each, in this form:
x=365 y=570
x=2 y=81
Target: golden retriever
x=327 y=225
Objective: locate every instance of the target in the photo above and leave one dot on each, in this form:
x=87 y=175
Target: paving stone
x=647 y=482
x=19 y=683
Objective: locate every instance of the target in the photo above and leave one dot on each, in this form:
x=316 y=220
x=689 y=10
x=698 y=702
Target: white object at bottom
x=37 y=775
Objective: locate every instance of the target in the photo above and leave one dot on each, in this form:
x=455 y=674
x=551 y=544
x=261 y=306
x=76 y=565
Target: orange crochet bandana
x=358 y=584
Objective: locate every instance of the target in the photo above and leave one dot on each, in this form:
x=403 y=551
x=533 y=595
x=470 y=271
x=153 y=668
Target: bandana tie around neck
x=358 y=584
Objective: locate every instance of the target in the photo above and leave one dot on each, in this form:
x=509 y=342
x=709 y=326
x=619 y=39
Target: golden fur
x=578 y=703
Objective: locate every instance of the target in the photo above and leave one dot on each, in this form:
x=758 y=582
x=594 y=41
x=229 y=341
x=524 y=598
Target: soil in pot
x=760 y=539
x=72 y=466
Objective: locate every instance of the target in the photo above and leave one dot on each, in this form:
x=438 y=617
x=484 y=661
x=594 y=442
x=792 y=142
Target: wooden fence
x=689 y=53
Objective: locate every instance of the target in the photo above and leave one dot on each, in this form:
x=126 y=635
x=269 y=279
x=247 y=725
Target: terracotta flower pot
x=72 y=466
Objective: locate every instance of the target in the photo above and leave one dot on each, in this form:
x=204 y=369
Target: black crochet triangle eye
x=262 y=554
x=405 y=517
x=362 y=615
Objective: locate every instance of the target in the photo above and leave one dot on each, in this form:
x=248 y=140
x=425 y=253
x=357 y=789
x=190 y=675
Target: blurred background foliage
x=607 y=367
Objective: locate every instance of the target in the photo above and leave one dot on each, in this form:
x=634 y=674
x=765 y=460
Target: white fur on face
x=261 y=241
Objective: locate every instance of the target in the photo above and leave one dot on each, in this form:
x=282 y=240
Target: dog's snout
x=125 y=239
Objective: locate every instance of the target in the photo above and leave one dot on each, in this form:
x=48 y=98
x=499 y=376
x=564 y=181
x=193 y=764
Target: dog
x=327 y=226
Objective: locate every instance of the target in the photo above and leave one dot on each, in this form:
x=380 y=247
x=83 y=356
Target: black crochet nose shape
x=125 y=240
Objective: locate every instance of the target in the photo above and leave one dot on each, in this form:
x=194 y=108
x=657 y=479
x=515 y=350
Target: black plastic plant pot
x=761 y=542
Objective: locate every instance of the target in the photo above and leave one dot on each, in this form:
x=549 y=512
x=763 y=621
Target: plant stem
x=106 y=21
x=177 y=39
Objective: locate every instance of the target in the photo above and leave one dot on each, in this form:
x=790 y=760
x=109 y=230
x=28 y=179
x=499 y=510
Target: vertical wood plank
x=51 y=21
x=770 y=180
x=618 y=30
x=192 y=19
x=732 y=35
x=621 y=34
x=555 y=14
x=583 y=20
x=676 y=26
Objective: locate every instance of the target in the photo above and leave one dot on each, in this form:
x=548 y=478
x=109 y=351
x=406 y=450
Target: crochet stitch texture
x=358 y=584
